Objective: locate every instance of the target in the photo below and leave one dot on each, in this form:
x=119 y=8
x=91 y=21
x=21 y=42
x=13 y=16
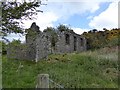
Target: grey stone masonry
x=40 y=44
x=68 y=42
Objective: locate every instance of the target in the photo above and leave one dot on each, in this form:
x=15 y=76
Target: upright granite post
x=43 y=81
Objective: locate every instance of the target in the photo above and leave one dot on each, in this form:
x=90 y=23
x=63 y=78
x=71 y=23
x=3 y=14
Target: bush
x=4 y=48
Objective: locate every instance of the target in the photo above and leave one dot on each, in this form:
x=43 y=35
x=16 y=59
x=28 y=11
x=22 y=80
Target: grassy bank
x=83 y=70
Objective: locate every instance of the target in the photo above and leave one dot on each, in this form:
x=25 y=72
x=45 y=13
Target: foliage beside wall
x=97 y=39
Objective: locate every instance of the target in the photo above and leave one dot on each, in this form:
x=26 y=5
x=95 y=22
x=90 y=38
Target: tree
x=14 y=11
x=62 y=28
x=4 y=48
x=104 y=29
x=15 y=42
x=94 y=30
x=52 y=35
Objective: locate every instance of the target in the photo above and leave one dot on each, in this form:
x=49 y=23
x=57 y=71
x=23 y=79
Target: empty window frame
x=67 y=39
x=82 y=41
x=75 y=43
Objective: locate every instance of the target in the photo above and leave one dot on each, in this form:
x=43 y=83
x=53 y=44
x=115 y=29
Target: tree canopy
x=14 y=12
x=62 y=27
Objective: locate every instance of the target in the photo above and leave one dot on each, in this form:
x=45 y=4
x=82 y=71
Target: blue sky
x=80 y=15
x=82 y=20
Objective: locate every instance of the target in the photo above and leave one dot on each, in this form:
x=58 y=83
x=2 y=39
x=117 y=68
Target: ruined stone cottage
x=40 y=44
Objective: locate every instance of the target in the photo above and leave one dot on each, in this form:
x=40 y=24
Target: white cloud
x=63 y=9
x=79 y=30
x=80 y=0
x=107 y=19
x=55 y=11
x=12 y=36
x=90 y=17
x=42 y=20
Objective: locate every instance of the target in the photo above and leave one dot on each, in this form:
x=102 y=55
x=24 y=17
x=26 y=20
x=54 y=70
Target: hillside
x=91 y=69
x=95 y=68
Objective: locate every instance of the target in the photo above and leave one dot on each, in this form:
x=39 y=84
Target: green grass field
x=89 y=69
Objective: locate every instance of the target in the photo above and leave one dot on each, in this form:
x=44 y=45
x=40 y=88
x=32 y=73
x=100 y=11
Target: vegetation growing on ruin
x=52 y=35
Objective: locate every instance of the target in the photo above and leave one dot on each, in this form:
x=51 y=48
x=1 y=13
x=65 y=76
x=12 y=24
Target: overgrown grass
x=69 y=70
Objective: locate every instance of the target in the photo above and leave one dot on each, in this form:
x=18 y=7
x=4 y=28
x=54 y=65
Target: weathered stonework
x=74 y=42
x=39 y=44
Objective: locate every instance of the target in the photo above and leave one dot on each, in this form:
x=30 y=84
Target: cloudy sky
x=80 y=15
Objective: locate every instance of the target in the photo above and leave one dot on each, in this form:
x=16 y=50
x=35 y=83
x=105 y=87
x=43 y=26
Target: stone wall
x=73 y=43
x=39 y=44
x=42 y=47
x=17 y=52
x=31 y=41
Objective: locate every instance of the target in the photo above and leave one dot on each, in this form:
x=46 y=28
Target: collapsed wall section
x=17 y=52
x=28 y=50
